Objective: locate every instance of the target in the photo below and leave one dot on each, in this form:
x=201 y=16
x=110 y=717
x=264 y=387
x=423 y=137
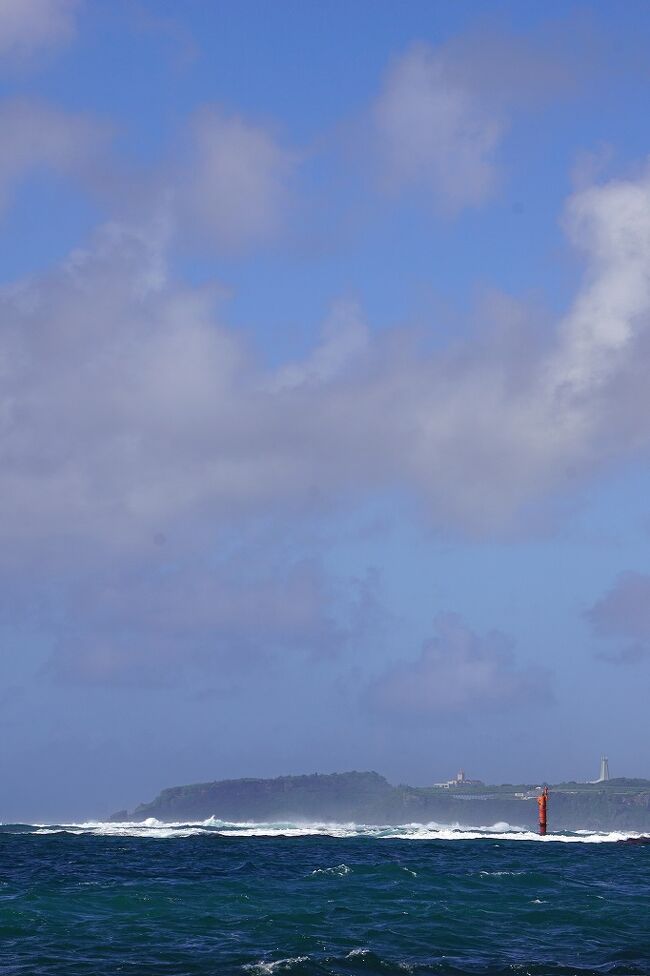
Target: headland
x=367 y=797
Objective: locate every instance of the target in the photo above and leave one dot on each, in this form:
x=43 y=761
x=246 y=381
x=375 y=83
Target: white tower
x=604 y=770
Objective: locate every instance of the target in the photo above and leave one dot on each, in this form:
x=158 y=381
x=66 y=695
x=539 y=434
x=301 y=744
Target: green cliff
x=369 y=798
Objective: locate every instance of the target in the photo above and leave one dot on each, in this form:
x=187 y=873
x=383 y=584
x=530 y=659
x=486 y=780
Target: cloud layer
x=39 y=138
x=622 y=618
x=234 y=185
x=27 y=26
x=457 y=671
x=434 y=131
x=130 y=410
x=128 y=406
x=154 y=625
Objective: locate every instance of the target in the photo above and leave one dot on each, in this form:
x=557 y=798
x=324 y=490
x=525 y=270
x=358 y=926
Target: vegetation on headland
x=369 y=798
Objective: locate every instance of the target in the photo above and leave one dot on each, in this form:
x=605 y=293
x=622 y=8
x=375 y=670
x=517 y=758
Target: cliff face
x=369 y=798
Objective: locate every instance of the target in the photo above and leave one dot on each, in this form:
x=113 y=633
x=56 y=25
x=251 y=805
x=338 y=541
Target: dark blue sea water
x=218 y=900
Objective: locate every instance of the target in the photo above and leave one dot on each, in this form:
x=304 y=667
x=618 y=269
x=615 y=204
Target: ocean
x=214 y=899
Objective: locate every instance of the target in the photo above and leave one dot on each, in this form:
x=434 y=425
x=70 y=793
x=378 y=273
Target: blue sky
x=323 y=399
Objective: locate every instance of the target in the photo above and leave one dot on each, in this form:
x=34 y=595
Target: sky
x=324 y=411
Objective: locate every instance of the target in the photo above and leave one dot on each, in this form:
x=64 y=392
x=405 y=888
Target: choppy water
x=218 y=899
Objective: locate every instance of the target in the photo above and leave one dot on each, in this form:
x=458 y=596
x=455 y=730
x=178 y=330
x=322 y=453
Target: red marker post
x=541 y=803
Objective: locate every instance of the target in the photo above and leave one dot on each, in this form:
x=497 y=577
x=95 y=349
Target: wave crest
x=215 y=827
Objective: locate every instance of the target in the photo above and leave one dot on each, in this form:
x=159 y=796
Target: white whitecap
x=214 y=827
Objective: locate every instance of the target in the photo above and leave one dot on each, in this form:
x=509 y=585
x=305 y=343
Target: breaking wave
x=412 y=831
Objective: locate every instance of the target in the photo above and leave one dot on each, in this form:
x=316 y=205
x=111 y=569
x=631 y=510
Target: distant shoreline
x=367 y=797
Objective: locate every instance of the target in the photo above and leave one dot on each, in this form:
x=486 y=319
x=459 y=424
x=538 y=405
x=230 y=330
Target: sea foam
x=156 y=829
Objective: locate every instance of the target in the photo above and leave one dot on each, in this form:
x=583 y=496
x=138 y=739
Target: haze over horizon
x=324 y=345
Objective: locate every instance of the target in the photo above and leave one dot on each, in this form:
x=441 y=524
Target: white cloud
x=611 y=223
x=27 y=26
x=127 y=407
x=234 y=187
x=38 y=137
x=129 y=410
x=435 y=132
x=443 y=112
x=345 y=338
x=457 y=671
x=622 y=617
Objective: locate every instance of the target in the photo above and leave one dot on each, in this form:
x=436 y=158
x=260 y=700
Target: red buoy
x=541 y=803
